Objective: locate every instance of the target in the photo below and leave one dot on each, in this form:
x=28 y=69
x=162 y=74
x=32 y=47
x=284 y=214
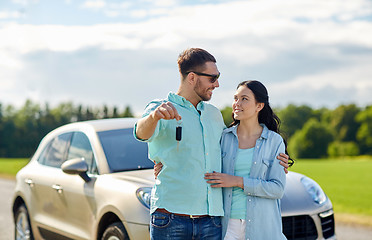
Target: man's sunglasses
x=213 y=77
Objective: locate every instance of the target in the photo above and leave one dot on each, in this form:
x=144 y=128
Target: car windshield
x=123 y=151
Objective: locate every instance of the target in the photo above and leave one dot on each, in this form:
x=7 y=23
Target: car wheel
x=115 y=231
x=22 y=229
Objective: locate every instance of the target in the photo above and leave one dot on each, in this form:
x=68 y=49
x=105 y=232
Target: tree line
x=21 y=130
x=310 y=133
x=315 y=133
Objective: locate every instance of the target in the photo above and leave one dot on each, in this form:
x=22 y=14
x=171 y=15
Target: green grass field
x=347 y=182
x=10 y=166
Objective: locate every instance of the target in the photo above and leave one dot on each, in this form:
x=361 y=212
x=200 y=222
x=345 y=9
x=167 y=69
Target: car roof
x=105 y=124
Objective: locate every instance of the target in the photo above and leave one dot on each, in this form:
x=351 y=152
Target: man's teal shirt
x=180 y=186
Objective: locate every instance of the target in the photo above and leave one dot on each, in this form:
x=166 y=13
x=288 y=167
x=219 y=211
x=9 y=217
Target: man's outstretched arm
x=146 y=126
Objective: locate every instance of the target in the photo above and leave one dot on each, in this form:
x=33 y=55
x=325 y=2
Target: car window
x=44 y=152
x=80 y=148
x=123 y=151
x=55 y=152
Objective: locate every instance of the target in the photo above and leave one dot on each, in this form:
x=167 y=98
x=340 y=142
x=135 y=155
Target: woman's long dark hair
x=266 y=115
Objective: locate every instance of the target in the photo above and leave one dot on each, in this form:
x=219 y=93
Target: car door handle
x=58 y=188
x=29 y=182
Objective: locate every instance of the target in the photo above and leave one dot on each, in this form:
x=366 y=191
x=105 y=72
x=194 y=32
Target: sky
x=124 y=53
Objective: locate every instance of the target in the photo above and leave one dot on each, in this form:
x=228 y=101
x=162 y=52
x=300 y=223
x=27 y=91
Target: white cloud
x=10 y=60
x=113 y=10
x=164 y=3
x=29 y=38
x=6 y=80
x=352 y=84
x=10 y=14
x=357 y=77
x=139 y=13
x=119 y=6
x=268 y=22
x=10 y=65
x=25 y=2
x=112 y=14
x=94 y=4
x=247 y=55
x=358 y=33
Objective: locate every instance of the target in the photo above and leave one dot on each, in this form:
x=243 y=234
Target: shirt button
x=257 y=146
x=254 y=162
x=207 y=154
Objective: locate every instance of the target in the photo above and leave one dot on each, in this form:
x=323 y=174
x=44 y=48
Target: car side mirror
x=76 y=166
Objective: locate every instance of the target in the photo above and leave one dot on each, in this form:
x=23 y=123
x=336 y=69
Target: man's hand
x=284 y=161
x=146 y=126
x=165 y=111
x=224 y=180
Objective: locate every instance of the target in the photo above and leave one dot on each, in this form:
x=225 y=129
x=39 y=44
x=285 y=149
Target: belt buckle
x=193 y=216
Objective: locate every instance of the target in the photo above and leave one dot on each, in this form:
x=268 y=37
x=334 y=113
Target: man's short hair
x=193 y=59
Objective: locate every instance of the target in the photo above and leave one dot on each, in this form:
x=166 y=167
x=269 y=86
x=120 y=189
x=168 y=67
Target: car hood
x=145 y=177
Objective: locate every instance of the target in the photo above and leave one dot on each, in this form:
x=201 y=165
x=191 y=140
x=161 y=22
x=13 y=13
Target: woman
x=252 y=178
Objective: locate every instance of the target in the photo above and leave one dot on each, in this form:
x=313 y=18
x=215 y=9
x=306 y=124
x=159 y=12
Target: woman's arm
x=271 y=187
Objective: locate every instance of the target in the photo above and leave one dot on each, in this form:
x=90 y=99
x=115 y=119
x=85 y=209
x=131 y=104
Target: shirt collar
x=172 y=97
x=264 y=134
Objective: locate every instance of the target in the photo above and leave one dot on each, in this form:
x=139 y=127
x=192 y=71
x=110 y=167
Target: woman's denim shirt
x=264 y=186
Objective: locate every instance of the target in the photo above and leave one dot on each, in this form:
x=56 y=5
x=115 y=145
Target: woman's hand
x=157 y=169
x=224 y=180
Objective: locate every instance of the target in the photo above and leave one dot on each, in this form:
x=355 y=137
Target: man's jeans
x=170 y=226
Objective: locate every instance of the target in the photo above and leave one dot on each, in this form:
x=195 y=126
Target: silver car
x=93 y=180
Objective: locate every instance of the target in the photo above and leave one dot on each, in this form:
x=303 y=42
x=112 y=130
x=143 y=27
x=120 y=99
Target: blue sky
x=120 y=53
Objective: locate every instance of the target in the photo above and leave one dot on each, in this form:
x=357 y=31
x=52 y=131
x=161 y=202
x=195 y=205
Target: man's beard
x=198 y=90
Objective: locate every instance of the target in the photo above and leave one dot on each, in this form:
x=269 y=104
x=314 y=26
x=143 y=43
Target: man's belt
x=162 y=210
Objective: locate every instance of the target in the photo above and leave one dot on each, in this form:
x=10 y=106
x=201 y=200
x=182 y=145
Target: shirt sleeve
x=271 y=187
x=149 y=108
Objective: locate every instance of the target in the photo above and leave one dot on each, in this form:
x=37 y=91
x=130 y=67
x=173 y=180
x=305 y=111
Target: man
x=183 y=205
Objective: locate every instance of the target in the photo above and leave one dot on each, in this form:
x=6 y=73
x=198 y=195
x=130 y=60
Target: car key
x=178 y=133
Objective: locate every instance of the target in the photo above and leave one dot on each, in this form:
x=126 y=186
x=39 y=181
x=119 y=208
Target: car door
x=76 y=199
x=44 y=209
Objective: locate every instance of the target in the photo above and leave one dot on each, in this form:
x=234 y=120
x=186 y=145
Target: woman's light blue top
x=243 y=165
x=264 y=187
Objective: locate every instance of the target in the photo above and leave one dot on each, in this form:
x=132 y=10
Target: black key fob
x=178 y=133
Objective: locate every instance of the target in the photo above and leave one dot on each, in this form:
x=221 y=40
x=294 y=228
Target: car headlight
x=144 y=196
x=315 y=191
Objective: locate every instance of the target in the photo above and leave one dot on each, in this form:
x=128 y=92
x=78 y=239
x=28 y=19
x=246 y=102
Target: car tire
x=115 y=231
x=22 y=225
